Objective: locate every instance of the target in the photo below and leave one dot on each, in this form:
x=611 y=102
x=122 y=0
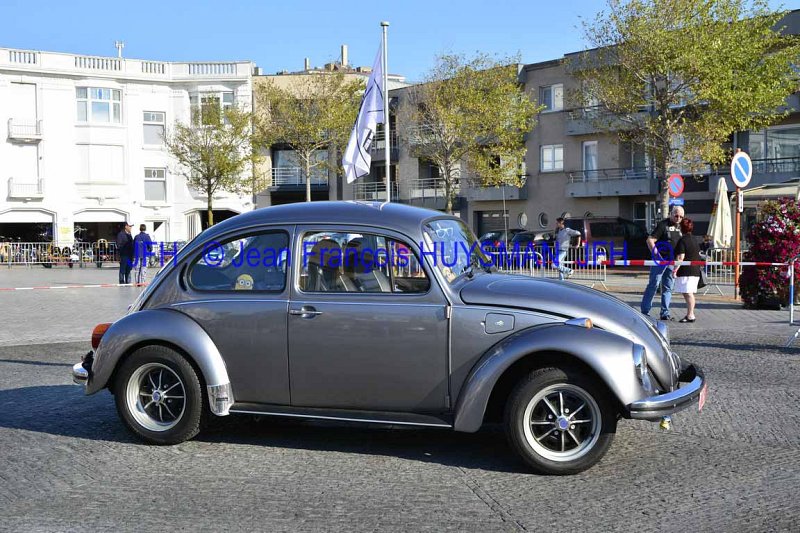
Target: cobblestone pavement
x=68 y=464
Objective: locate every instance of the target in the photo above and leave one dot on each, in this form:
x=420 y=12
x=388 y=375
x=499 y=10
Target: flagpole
x=386 y=128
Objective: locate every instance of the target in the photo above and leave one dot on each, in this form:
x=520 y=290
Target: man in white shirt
x=563 y=237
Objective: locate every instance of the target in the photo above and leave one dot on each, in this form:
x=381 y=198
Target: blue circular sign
x=741 y=169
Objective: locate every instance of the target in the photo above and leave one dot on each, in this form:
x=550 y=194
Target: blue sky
x=277 y=35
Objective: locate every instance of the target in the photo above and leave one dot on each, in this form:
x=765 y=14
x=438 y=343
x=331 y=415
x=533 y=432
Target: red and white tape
x=102 y=285
x=650 y=262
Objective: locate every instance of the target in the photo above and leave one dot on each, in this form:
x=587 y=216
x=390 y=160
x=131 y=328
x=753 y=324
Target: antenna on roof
x=119 y=45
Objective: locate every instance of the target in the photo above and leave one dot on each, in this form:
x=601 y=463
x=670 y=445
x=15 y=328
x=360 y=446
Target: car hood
x=570 y=300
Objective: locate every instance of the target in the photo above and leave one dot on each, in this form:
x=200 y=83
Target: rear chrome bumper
x=81 y=372
x=692 y=386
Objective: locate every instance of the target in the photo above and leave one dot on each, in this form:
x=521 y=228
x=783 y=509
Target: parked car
x=525 y=238
x=629 y=239
x=395 y=334
x=494 y=239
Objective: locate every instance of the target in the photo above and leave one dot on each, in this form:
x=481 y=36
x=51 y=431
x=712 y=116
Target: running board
x=367 y=417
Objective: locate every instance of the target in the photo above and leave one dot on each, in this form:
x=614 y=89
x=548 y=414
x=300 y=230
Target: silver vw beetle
x=381 y=313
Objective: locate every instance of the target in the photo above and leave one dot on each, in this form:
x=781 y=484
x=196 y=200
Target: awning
x=100 y=215
x=770 y=191
x=17 y=216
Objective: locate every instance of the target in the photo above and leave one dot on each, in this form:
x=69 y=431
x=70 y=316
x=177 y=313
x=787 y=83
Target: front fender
x=163 y=326
x=608 y=354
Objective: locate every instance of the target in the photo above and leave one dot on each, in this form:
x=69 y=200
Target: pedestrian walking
x=563 y=238
x=662 y=242
x=125 y=250
x=688 y=276
x=142 y=247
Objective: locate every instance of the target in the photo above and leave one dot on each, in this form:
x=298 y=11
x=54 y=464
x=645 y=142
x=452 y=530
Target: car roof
x=401 y=217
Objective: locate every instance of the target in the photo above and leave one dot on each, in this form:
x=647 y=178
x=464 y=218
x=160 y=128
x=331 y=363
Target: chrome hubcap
x=562 y=422
x=156 y=397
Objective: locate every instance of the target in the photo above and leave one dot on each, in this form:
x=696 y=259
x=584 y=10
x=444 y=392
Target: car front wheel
x=158 y=396
x=559 y=421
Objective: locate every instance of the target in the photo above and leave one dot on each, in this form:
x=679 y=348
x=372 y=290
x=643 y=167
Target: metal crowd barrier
x=82 y=254
x=720 y=275
x=587 y=264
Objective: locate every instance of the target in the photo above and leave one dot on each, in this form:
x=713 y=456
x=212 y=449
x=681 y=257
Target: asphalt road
x=68 y=464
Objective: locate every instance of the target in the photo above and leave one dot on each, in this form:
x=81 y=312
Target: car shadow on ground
x=64 y=410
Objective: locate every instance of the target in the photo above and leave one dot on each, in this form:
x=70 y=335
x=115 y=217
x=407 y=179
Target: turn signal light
x=97 y=334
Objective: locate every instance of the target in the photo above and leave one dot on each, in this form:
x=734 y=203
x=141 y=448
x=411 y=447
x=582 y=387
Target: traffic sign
x=741 y=169
x=675 y=183
x=740 y=201
x=676 y=201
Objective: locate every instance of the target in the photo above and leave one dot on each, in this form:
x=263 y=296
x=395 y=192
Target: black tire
x=582 y=444
x=47 y=265
x=138 y=376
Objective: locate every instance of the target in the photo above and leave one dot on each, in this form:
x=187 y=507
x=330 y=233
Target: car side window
x=254 y=261
x=358 y=263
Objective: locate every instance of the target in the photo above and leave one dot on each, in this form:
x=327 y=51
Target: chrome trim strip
x=323 y=417
x=219 y=300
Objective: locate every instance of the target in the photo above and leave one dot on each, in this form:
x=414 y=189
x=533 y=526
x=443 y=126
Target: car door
x=368 y=331
x=237 y=289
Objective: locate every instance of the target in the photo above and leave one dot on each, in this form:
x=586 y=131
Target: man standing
x=125 y=251
x=142 y=246
x=563 y=237
x=662 y=242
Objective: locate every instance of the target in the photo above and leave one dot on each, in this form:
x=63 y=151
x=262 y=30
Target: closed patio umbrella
x=720 y=227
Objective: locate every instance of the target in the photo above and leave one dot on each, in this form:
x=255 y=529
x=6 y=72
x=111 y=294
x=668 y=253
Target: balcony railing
x=295 y=177
x=777 y=165
x=374 y=191
x=605 y=174
x=378 y=142
x=429 y=188
x=28 y=189
x=30 y=130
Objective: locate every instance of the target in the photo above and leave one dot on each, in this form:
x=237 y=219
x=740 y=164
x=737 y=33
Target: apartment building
x=84 y=146
x=287 y=180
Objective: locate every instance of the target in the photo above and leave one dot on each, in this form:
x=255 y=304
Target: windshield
x=453 y=248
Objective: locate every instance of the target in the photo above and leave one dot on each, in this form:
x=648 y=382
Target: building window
x=552 y=97
x=202 y=105
x=590 y=160
x=99 y=105
x=552 y=158
x=154 y=127
x=544 y=220
x=155 y=185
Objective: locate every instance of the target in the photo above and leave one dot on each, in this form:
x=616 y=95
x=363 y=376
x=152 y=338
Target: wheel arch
x=606 y=356
x=171 y=329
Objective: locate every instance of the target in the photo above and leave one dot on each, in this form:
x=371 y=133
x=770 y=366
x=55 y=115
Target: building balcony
x=773 y=170
x=374 y=191
x=30 y=189
x=24 y=130
x=295 y=178
x=429 y=193
x=590 y=120
x=611 y=182
x=378 y=147
x=475 y=192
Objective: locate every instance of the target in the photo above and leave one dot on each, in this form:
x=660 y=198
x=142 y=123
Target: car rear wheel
x=158 y=396
x=559 y=421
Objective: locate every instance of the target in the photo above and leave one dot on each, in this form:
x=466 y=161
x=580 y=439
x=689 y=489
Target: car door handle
x=305 y=312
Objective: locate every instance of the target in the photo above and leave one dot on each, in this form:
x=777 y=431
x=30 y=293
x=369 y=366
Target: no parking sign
x=741 y=169
x=675 y=185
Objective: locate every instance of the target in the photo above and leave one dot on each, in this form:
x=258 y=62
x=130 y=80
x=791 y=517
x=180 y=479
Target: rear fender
x=163 y=326
x=608 y=354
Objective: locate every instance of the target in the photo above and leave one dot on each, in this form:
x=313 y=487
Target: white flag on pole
x=357 y=157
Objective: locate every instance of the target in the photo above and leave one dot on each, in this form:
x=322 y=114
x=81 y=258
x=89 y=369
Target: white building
x=84 y=150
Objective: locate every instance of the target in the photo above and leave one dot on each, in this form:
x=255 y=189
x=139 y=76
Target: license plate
x=703 y=394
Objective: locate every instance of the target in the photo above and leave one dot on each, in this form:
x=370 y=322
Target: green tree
x=469 y=114
x=679 y=77
x=213 y=151
x=313 y=117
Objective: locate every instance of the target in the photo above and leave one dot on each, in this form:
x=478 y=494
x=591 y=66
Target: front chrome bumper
x=693 y=385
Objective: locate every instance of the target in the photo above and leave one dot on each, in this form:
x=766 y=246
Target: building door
x=590 y=160
x=491 y=221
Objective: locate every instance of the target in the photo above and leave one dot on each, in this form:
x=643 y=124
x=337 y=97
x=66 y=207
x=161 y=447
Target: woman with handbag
x=688 y=276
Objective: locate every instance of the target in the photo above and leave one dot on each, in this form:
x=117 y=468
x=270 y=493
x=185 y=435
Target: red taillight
x=97 y=334
x=497 y=244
